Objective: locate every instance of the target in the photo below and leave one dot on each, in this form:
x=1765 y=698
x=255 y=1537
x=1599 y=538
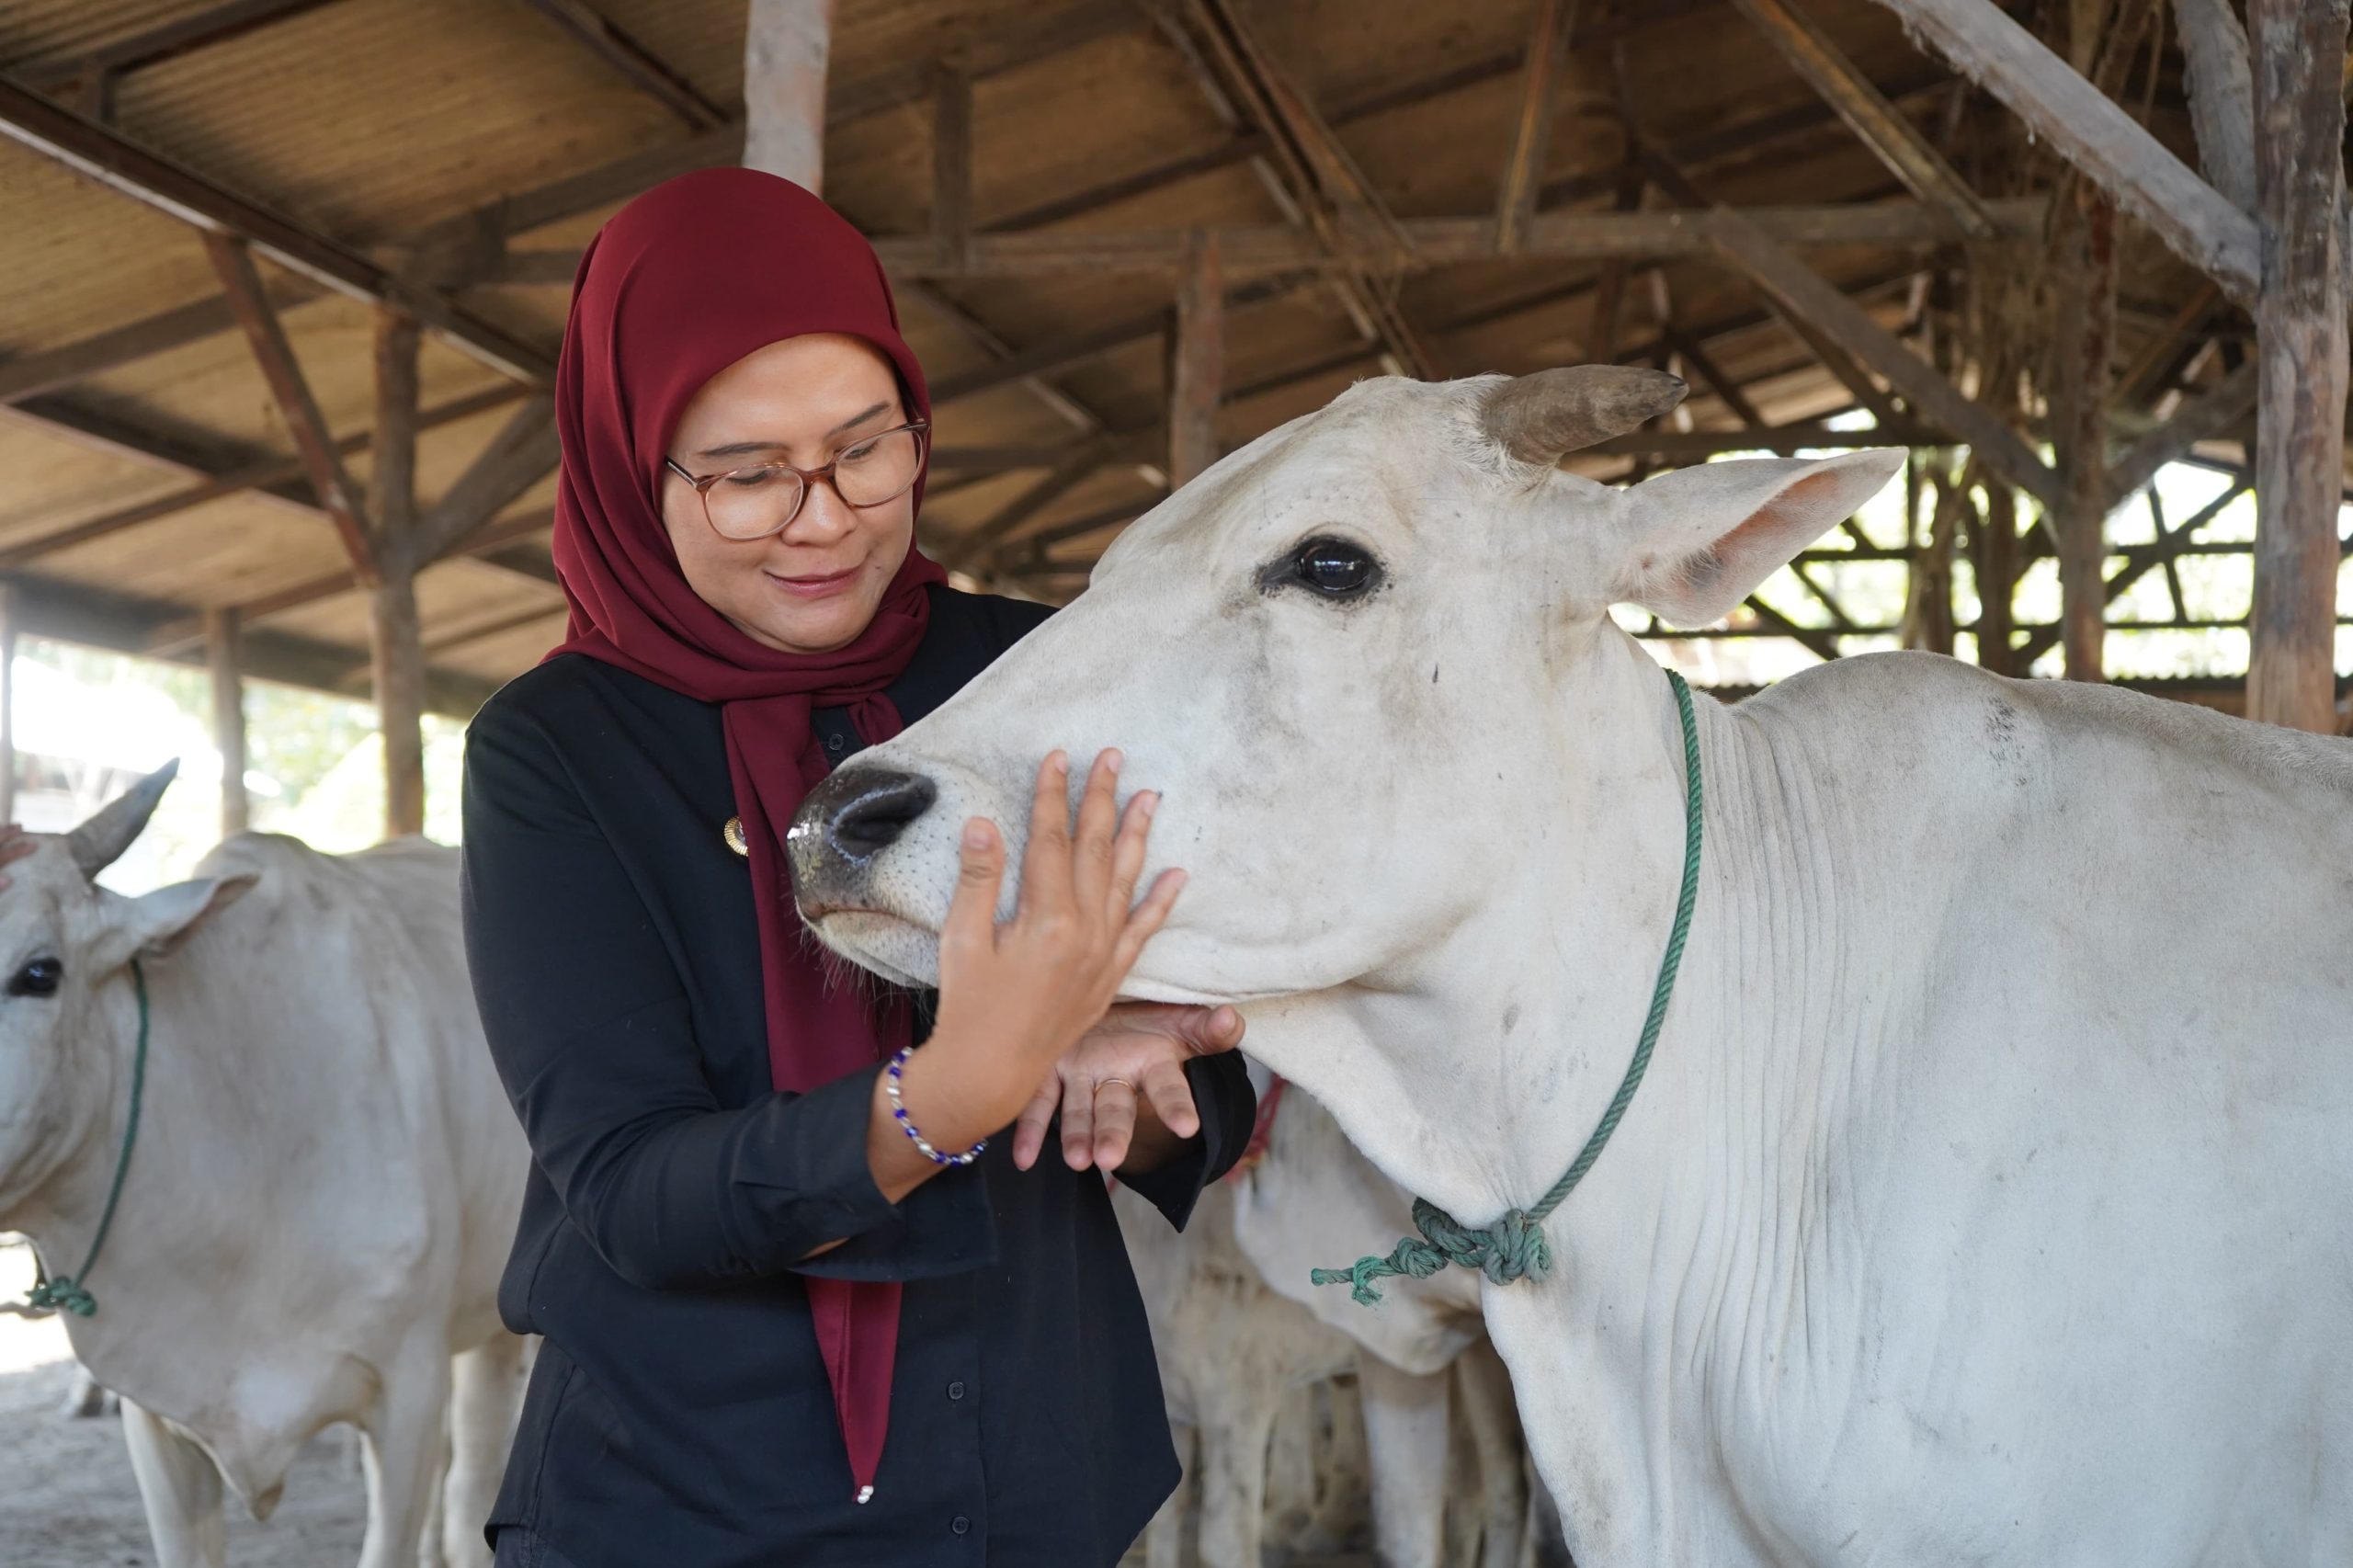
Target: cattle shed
x=282 y=282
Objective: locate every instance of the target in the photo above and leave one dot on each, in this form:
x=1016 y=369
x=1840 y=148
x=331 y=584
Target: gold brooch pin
x=733 y=834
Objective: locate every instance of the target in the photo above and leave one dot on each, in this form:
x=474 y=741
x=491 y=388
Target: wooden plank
x=1804 y=294
x=2212 y=415
x=30 y=375
x=2085 y=329
x=1197 y=365
x=101 y=154
x=1894 y=139
x=223 y=633
x=968 y=549
x=396 y=637
x=951 y=167
x=633 y=62
x=337 y=494
x=169 y=41
x=522 y=453
x=2299 y=49
x=1548 y=54
x=788 y=45
x=2094 y=134
x=214 y=486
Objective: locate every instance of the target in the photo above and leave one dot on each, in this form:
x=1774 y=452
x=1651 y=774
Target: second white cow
x=322 y=1185
x=1989 y=1198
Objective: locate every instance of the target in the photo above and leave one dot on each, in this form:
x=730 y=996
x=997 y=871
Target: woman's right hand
x=1025 y=990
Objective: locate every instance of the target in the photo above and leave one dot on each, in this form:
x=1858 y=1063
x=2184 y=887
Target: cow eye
x=39 y=978
x=1334 y=568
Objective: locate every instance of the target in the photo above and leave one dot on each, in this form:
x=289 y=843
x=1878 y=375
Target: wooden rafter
x=1895 y=140
x=106 y=157
x=1548 y=55
x=2202 y=226
x=633 y=62
x=337 y=494
x=522 y=453
x=157 y=45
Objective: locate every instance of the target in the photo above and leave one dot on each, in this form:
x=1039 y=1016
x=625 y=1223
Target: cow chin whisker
x=897 y=950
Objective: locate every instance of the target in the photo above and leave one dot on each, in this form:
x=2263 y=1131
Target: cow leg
x=1234 y=1432
x=181 y=1488
x=1494 y=1420
x=1406 y=1433
x=406 y=1433
x=1290 y=1470
x=483 y=1406
x=86 y=1399
x=1345 y=1500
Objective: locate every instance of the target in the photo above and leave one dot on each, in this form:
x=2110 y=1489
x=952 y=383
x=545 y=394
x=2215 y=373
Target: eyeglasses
x=746 y=503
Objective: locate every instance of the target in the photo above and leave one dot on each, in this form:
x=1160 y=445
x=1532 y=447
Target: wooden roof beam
x=337 y=496
x=522 y=453
x=1804 y=294
x=155 y=45
x=1548 y=55
x=1852 y=96
x=104 y=156
x=2111 y=149
x=633 y=62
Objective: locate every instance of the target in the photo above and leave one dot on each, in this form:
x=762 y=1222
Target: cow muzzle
x=847 y=821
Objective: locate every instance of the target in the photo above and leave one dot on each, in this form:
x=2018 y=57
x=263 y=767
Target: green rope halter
x=1514 y=1247
x=67 y=1293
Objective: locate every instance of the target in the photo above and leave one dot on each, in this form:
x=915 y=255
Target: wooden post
x=2087 y=332
x=1997 y=575
x=2299 y=49
x=785 y=45
x=951 y=165
x=223 y=633
x=1548 y=52
x=7 y=702
x=1928 y=620
x=1197 y=370
x=397 y=644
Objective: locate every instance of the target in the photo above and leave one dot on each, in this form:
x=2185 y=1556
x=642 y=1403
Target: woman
x=801 y=1305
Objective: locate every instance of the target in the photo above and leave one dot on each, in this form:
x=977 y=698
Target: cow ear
x=154 y=925
x=1695 y=542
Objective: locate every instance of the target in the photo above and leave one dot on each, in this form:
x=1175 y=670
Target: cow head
x=1368 y=661
x=67 y=1019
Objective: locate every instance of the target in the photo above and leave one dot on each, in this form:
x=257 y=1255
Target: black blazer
x=679 y=1414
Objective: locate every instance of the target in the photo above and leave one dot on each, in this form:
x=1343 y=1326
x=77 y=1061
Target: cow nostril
x=871 y=816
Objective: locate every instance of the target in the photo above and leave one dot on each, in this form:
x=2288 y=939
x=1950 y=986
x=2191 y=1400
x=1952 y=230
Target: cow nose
x=870 y=808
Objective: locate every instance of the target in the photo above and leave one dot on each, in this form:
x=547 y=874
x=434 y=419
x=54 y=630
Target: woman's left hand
x=1123 y=1089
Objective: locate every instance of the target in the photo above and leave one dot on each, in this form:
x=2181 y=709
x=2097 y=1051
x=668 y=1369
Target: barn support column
x=397 y=643
x=223 y=657
x=2299 y=54
x=787 y=44
x=1196 y=361
x=7 y=702
x=2086 y=336
x=1998 y=576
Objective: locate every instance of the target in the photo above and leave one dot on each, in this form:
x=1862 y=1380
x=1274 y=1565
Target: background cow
x=323 y=1187
x=1988 y=1200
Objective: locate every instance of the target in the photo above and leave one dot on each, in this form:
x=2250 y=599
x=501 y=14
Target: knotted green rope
x=1513 y=1247
x=67 y=1293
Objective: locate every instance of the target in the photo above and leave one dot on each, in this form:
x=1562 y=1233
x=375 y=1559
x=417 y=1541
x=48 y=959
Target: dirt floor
x=67 y=1499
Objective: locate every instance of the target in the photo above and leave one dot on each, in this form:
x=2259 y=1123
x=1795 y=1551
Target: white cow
x=1990 y=1198
x=323 y=1187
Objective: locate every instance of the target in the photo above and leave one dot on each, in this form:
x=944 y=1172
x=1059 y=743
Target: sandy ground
x=67 y=1499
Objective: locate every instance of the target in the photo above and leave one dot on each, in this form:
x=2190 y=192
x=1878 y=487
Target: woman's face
x=815 y=587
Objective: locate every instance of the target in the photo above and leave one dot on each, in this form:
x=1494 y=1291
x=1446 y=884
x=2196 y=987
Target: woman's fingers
x=1148 y=917
x=1029 y=1127
x=1115 y=1125
x=1128 y=852
x=1099 y=818
x=1172 y=1099
x=971 y=913
x=1079 y=1108
x=1045 y=864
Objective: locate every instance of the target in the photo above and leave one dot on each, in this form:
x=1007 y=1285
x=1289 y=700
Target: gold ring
x=1103 y=1083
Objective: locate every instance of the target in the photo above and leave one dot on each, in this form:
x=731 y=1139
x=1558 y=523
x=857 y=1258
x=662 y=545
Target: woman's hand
x=1015 y=996
x=1121 y=1089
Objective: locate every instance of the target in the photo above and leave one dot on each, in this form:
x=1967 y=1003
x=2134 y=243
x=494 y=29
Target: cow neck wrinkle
x=71 y=1293
x=1514 y=1246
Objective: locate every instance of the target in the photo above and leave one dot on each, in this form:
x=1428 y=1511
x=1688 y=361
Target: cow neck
x=1514 y=1246
x=71 y=1293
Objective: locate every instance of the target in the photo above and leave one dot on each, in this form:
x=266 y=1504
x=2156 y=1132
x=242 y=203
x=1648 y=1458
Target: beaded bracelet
x=899 y=1111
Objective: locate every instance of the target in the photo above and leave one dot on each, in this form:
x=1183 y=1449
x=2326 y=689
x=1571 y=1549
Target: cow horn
x=99 y=842
x=1543 y=417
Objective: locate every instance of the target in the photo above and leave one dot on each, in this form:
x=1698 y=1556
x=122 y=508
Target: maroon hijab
x=678 y=285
